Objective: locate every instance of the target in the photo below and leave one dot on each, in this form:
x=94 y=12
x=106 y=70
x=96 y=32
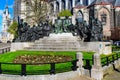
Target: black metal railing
x=87 y=63
x=4 y=49
x=105 y=61
x=115 y=48
x=52 y=70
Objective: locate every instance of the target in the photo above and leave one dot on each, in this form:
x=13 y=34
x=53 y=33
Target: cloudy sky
x=2 y=8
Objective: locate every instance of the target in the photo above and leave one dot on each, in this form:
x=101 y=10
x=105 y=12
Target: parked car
x=117 y=43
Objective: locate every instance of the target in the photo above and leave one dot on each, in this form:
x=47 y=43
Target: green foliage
x=65 y=13
x=13 y=28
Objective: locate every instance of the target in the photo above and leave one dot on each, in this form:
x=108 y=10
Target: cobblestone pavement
x=114 y=75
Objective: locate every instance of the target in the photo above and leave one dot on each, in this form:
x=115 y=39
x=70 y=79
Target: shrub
x=65 y=13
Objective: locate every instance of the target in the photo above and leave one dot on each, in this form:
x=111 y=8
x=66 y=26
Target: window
x=79 y=16
x=103 y=18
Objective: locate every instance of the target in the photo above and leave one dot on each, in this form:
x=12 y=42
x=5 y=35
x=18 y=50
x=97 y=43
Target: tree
x=65 y=13
x=37 y=10
x=13 y=29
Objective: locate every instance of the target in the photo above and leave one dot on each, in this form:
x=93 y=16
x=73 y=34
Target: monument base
x=65 y=42
x=57 y=42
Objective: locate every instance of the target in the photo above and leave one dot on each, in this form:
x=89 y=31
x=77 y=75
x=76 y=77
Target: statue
x=66 y=24
x=97 y=30
x=27 y=34
x=58 y=26
x=82 y=29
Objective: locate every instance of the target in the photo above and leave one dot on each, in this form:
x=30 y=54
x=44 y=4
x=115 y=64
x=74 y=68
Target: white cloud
x=10 y=6
x=1 y=12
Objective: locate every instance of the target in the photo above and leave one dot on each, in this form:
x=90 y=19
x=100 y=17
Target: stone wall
x=19 y=45
x=99 y=47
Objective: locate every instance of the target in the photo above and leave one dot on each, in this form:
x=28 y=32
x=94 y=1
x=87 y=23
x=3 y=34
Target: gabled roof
x=79 y=5
x=117 y=3
x=100 y=2
x=112 y=1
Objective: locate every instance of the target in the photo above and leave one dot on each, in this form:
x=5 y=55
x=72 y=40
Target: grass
x=37 y=69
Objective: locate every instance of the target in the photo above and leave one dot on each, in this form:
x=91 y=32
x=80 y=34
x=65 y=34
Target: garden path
x=114 y=75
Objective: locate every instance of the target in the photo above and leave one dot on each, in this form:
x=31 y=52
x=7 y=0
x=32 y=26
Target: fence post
x=107 y=60
x=52 y=68
x=96 y=71
x=87 y=66
x=2 y=50
x=0 y=68
x=74 y=67
x=79 y=56
x=113 y=59
x=117 y=56
x=23 y=69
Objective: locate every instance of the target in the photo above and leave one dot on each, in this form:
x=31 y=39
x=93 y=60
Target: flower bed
x=42 y=59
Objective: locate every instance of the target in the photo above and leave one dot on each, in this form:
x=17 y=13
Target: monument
x=62 y=36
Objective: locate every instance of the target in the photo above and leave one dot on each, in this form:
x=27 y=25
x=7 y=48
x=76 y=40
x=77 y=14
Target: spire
x=6 y=4
x=6 y=12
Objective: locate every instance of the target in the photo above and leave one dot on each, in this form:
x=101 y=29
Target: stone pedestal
x=79 y=56
x=57 y=42
x=96 y=71
x=64 y=42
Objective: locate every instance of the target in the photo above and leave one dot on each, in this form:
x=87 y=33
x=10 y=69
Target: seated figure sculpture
x=58 y=25
x=66 y=24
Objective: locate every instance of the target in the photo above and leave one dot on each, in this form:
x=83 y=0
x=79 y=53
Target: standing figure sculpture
x=83 y=30
x=96 y=31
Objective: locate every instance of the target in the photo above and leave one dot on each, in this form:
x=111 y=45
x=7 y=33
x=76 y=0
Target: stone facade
x=107 y=11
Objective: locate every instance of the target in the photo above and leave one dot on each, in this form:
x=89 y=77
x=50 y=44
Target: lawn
x=37 y=69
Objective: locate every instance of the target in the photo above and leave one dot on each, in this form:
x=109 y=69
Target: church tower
x=5 y=36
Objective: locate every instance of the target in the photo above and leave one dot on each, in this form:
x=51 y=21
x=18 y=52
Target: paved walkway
x=81 y=78
x=114 y=75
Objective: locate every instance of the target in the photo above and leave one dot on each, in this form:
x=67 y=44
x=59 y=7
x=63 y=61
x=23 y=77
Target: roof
x=117 y=3
x=79 y=5
x=112 y=1
x=100 y=2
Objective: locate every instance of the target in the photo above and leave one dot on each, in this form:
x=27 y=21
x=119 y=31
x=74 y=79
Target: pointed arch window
x=79 y=16
x=118 y=19
x=103 y=18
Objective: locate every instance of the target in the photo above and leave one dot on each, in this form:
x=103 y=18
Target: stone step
x=56 y=42
x=52 y=49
